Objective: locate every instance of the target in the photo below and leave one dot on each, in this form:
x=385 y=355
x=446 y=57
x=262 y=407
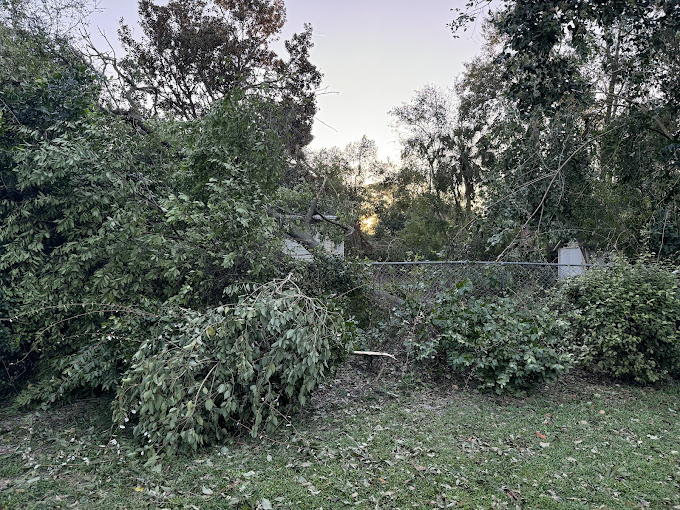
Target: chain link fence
x=424 y=280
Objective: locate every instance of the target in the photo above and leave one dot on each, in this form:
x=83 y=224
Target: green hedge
x=627 y=315
x=502 y=345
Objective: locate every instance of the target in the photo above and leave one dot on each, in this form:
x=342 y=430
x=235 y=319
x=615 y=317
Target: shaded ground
x=374 y=442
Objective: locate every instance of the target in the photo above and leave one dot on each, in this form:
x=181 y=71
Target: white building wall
x=296 y=250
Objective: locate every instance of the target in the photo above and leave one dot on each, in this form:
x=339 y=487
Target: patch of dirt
x=363 y=382
x=352 y=382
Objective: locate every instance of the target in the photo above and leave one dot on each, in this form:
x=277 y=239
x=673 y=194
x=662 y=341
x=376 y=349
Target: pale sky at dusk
x=373 y=53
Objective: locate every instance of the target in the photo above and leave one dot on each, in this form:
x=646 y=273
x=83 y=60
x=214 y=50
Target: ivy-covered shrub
x=628 y=315
x=501 y=344
x=199 y=377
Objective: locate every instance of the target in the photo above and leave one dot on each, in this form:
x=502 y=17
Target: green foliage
x=64 y=185
x=123 y=237
x=506 y=347
x=12 y=351
x=178 y=214
x=199 y=377
x=571 y=160
x=424 y=235
x=628 y=316
x=233 y=142
x=411 y=224
x=43 y=82
x=664 y=235
x=339 y=279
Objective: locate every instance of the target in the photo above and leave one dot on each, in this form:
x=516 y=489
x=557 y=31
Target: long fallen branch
x=373 y=353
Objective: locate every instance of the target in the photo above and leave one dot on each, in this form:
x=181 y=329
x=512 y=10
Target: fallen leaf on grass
x=544 y=445
x=139 y=489
x=542 y=436
x=382 y=480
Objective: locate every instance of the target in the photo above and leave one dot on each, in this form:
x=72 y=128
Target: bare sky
x=373 y=53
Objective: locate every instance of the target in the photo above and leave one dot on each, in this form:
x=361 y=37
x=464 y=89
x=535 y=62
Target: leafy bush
x=628 y=315
x=202 y=376
x=501 y=344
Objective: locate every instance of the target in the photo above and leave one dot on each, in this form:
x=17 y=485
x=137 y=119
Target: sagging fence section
x=425 y=279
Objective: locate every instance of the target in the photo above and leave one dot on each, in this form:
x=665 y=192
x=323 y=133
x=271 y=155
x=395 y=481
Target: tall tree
x=426 y=128
x=596 y=83
x=363 y=162
x=438 y=146
x=195 y=52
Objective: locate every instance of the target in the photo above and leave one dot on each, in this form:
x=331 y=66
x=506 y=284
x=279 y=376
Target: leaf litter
x=371 y=442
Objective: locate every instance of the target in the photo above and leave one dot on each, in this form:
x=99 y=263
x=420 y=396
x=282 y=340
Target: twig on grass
x=373 y=353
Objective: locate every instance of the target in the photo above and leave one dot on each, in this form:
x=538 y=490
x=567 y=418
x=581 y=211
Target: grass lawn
x=378 y=443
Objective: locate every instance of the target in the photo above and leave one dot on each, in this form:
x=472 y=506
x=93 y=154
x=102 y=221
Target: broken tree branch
x=312 y=207
x=373 y=353
x=348 y=229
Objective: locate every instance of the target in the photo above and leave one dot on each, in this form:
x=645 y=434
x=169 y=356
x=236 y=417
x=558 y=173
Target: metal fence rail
x=426 y=279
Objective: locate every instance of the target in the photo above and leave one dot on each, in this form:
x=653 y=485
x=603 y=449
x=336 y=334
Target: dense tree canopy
x=583 y=125
x=196 y=52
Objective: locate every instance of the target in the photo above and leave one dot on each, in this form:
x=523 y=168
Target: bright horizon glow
x=374 y=55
